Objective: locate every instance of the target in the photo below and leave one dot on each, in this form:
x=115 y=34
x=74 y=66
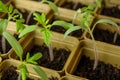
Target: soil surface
x=8 y=47
x=72 y=5
x=113 y=12
x=60 y=57
x=11 y=74
x=102 y=72
x=105 y=36
x=60 y=29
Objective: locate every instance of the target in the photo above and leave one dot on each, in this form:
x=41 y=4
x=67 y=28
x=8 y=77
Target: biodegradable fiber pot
x=33 y=6
x=0 y=59
x=107 y=58
x=58 y=42
x=11 y=62
x=76 y=4
x=68 y=14
x=110 y=9
x=12 y=29
x=72 y=77
x=105 y=42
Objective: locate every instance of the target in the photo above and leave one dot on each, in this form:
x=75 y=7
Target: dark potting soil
x=11 y=74
x=102 y=72
x=25 y=16
x=62 y=30
x=105 y=36
x=60 y=57
x=113 y=12
x=72 y=5
x=8 y=47
x=53 y=78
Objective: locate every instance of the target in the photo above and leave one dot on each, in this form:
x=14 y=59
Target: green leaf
x=71 y=30
x=10 y=8
x=46 y=36
x=23 y=70
x=27 y=56
x=19 y=25
x=14 y=43
x=27 y=30
x=35 y=57
x=3 y=7
x=105 y=21
x=76 y=14
x=40 y=18
x=53 y=6
x=91 y=7
x=99 y=3
x=40 y=72
x=3 y=25
x=63 y=24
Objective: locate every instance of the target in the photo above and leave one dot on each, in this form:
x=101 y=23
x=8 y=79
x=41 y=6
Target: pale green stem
x=3 y=45
x=29 y=16
x=115 y=37
x=19 y=76
x=51 y=52
x=95 y=50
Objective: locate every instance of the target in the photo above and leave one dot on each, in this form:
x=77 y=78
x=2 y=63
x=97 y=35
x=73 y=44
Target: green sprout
x=15 y=44
x=85 y=22
x=52 y=5
x=45 y=30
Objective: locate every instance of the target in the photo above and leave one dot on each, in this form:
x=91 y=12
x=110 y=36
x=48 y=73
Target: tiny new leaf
x=33 y=59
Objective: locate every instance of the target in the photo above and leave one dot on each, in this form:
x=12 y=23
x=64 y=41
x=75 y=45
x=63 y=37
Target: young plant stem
x=29 y=16
x=115 y=37
x=3 y=44
x=95 y=50
x=51 y=52
x=19 y=76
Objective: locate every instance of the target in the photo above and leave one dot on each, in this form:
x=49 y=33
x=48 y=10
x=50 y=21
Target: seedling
x=15 y=44
x=52 y=5
x=45 y=30
x=85 y=22
x=13 y=14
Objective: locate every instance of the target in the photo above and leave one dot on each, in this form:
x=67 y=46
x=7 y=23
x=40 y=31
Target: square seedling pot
x=71 y=77
x=68 y=43
x=110 y=9
x=107 y=58
x=12 y=29
x=30 y=7
x=11 y=62
x=105 y=46
x=74 y=4
x=0 y=59
x=68 y=16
